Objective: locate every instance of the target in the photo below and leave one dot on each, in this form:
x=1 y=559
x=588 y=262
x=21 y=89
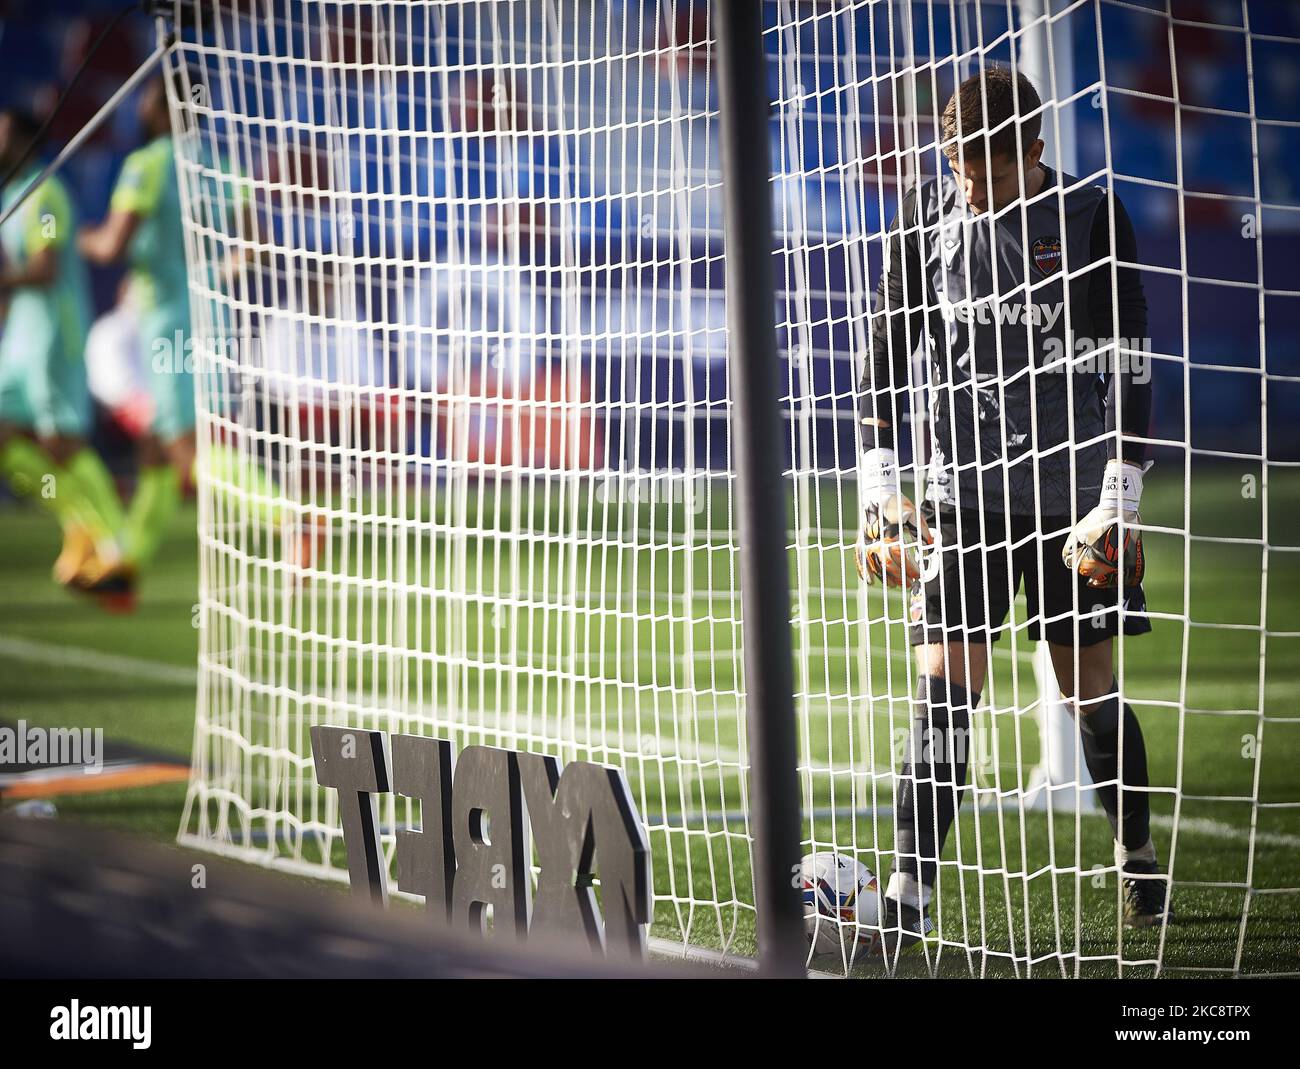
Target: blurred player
x=116 y=370
x=144 y=229
x=975 y=264
x=43 y=375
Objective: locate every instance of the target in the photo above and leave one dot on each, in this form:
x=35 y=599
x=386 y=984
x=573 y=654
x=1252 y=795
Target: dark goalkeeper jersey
x=1018 y=408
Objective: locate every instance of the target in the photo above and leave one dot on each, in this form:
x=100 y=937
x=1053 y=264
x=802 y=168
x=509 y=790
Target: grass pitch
x=1216 y=686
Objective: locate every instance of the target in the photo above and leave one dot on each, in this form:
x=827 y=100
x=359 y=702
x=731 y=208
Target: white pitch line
x=1215 y=829
x=63 y=656
x=58 y=655
x=1212 y=829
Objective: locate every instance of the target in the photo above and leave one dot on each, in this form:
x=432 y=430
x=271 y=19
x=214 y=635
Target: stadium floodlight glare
x=457 y=289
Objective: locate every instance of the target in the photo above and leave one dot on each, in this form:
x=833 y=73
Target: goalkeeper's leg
x=932 y=779
x=965 y=588
x=1103 y=721
x=1084 y=647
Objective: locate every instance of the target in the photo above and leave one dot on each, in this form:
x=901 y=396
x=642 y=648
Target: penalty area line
x=1202 y=826
x=58 y=655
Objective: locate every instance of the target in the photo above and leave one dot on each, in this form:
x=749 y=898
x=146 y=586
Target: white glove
x=893 y=529
x=1095 y=548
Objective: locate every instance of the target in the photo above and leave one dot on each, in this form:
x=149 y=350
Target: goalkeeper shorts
x=975 y=568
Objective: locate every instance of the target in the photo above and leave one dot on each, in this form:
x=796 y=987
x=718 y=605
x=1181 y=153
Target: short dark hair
x=26 y=125
x=23 y=144
x=1006 y=95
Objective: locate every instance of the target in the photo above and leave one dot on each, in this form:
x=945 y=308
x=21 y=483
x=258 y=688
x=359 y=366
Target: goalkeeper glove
x=893 y=529
x=1095 y=548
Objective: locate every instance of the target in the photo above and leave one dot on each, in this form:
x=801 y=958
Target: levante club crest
x=1047 y=254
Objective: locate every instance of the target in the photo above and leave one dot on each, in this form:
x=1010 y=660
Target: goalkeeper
x=1024 y=440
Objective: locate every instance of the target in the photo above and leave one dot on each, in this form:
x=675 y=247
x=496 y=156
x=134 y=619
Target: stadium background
x=44 y=42
x=139 y=677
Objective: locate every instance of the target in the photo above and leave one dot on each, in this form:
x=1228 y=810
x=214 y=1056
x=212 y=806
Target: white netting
x=465 y=467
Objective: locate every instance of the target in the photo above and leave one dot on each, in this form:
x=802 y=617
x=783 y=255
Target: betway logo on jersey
x=989 y=313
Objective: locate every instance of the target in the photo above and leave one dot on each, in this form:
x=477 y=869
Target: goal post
x=468 y=368
x=755 y=427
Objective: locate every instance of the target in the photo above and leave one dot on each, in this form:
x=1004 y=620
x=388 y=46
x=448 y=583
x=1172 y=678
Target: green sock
x=33 y=473
x=157 y=493
x=251 y=483
x=97 y=485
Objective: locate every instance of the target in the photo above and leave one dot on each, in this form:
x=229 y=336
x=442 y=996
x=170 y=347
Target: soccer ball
x=894 y=542
x=839 y=899
x=1096 y=551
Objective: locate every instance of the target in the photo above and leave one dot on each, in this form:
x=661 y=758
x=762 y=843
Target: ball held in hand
x=893 y=535
x=1101 y=554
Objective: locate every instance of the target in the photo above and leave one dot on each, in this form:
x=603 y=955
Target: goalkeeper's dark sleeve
x=896 y=325
x=1129 y=392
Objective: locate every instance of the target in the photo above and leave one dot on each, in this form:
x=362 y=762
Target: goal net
x=465 y=452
